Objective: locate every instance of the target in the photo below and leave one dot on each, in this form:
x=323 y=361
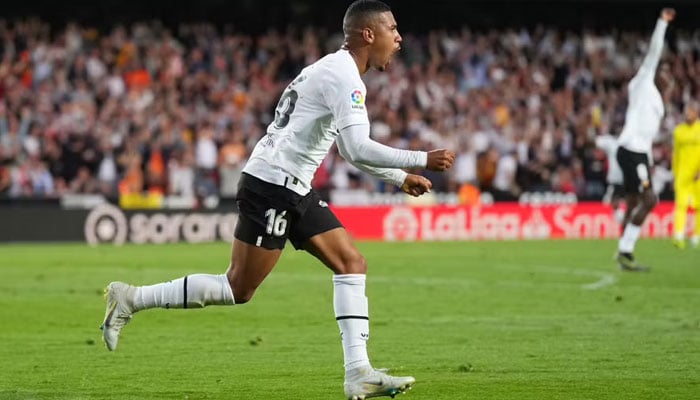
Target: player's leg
x=625 y=245
x=641 y=199
x=631 y=203
x=646 y=202
x=248 y=268
x=630 y=183
x=337 y=251
x=321 y=234
x=191 y=291
x=680 y=212
x=254 y=253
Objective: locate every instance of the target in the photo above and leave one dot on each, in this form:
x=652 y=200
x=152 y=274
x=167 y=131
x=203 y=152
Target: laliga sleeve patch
x=357 y=99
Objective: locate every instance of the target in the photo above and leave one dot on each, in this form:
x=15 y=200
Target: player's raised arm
x=656 y=44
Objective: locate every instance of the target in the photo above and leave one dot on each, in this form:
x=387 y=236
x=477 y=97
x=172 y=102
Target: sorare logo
x=357 y=98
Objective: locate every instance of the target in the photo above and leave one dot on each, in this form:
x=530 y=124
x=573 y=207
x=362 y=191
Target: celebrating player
x=324 y=104
x=615 y=190
x=642 y=122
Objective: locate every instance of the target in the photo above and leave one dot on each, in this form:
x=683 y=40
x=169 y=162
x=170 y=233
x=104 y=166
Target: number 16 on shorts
x=276 y=222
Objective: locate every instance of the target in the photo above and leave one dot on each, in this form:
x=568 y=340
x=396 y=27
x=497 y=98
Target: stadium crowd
x=145 y=109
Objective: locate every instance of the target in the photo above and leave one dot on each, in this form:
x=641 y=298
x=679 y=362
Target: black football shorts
x=269 y=214
x=635 y=170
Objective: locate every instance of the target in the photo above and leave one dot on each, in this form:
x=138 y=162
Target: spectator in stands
x=84 y=182
x=504 y=184
x=181 y=174
x=65 y=92
x=107 y=174
x=133 y=181
x=232 y=156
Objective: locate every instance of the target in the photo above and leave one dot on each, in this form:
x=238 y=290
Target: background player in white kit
x=615 y=191
x=324 y=104
x=644 y=113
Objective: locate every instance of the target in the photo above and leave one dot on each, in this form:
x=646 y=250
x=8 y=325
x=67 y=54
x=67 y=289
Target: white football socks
x=629 y=238
x=352 y=314
x=192 y=291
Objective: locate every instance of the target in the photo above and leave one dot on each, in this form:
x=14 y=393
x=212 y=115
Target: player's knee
x=243 y=295
x=242 y=292
x=355 y=264
x=650 y=201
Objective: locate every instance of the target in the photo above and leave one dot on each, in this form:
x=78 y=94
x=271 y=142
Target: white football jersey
x=324 y=98
x=609 y=145
x=646 y=106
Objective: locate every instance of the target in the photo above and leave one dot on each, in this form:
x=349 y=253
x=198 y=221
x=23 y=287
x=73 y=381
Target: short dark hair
x=361 y=12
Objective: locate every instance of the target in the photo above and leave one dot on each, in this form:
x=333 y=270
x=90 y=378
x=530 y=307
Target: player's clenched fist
x=416 y=185
x=440 y=160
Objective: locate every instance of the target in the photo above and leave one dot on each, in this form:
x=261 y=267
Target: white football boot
x=365 y=382
x=119 y=311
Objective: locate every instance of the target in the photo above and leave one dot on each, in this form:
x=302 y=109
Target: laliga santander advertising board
x=108 y=223
x=499 y=221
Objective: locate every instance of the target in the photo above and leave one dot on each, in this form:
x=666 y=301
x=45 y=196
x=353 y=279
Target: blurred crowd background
x=176 y=107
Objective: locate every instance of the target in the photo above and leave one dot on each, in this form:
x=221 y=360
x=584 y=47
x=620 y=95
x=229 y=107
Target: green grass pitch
x=475 y=320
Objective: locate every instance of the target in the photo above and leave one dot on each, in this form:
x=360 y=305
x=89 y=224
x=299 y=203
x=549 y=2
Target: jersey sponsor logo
x=357 y=98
